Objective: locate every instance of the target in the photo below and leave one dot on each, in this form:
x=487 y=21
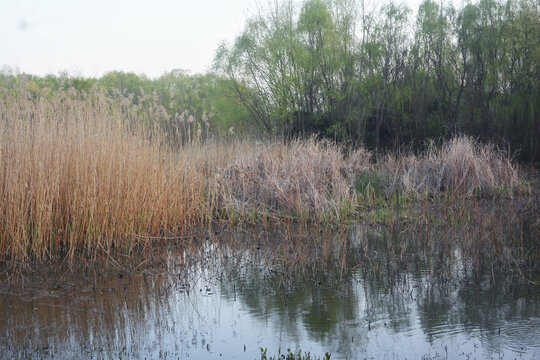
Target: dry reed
x=460 y=166
x=74 y=179
x=85 y=174
x=303 y=177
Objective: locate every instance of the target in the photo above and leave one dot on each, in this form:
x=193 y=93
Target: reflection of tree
x=433 y=291
x=318 y=307
x=293 y=301
x=475 y=304
x=437 y=309
x=387 y=302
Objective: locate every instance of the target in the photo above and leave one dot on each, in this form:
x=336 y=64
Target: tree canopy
x=380 y=77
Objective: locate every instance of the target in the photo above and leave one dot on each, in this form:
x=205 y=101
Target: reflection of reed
x=119 y=317
x=338 y=287
x=495 y=236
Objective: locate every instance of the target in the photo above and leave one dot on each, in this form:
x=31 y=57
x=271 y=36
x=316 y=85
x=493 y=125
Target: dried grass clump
x=74 y=179
x=359 y=161
x=301 y=177
x=461 y=165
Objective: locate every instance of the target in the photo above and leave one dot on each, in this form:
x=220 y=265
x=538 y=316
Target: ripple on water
x=521 y=335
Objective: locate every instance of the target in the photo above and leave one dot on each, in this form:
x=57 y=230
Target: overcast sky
x=91 y=37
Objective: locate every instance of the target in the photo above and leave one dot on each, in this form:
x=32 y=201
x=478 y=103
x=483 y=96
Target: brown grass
x=460 y=166
x=83 y=175
x=303 y=177
x=73 y=178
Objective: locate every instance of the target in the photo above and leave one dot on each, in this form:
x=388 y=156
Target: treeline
x=383 y=77
x=184 y=106
x=380 y=76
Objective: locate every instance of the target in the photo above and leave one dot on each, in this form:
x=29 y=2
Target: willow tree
x=295 y=66
x=380 y=77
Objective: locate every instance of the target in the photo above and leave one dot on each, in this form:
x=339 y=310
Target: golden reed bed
x=85 y=174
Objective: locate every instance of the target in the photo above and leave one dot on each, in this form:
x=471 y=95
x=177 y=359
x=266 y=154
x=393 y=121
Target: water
x=227 y=301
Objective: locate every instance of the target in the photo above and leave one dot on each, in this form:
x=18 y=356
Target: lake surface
x=226 y=301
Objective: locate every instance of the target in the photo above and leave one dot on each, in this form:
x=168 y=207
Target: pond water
x=228 y=301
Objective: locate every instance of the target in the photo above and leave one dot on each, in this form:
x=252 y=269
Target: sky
x=91 y=37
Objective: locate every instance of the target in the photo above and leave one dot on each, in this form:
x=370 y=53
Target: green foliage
x=188 y=104
x=371 y=184
x=379 y=77
x=339 y=69
x=291 y=356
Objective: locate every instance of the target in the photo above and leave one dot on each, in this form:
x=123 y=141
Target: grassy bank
x=86 y=175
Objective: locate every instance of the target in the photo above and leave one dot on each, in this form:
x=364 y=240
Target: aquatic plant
x=87 y=175
x=302 y=177
x=289 y=355
x=80 y=175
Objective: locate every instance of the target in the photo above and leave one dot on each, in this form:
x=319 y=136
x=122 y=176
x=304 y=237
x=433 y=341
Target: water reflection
x=227 y=299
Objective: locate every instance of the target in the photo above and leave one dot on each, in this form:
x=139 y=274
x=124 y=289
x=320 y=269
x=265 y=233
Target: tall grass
x=460 y=166
x=86 y=175
x=75 y=177
x=303 y=177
